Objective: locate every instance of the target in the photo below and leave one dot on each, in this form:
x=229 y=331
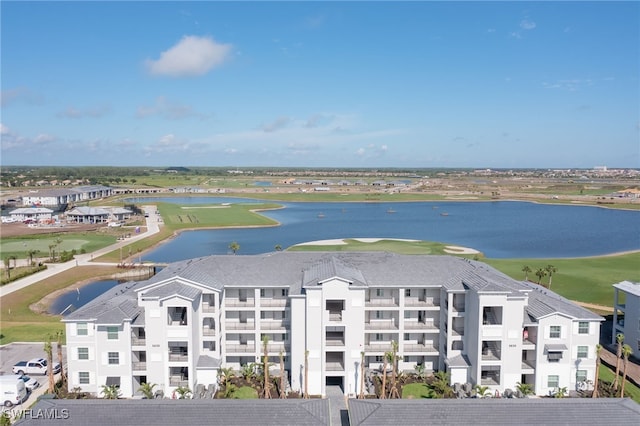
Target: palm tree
x=234 y=247
x=306 y=374
x=48 y=349
x=361 y=394
x=393 y=393
x=248 y=371
x=63 y=376
x=526 y=271
x=110 y=392
x=550 y=270
x=482 y=391
x=420 y=371
x=383 y=390
x=7 y=266
x=224 y=374
x=282 y=390
x=597 y=373
x=265 y=366
x=560 y=393
x=440 y=384
x=52 y=252
x=626 y=352
x=620 y=340
x=524 y=388
x=31 y=254
x=183 y=392
x=15 y=260
x=146 y=389
x=540 y=273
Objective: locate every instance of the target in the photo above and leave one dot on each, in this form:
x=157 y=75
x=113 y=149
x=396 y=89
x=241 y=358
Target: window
x=82 y=329
x=114 y=358
x=554 y=356
x=553 y=381
x=407 y=336
x=583 y=327
x=581 y=376
x=83 y=353
x=112 y=333
x=285 y=292
x=583 y=352
x=379 y=292
x=379 y=315
x=83 y=377
x=378 y=358
x=262 y=292
x=554 y=332
x=407 y=292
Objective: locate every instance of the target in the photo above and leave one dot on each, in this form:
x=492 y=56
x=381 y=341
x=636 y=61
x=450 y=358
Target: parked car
x=35 y=366
x=30 y=382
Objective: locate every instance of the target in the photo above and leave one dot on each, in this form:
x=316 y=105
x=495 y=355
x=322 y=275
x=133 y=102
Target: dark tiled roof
x=526 y=411
x=209 y=412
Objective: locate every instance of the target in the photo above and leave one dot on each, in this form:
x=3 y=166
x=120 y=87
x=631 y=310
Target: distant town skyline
x=321 y=84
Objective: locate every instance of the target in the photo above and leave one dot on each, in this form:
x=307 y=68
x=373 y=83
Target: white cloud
x=4 y=130
x=167 y=109
x=18 y=94
x=92 y=112
x=526 y=24
x=191 y=56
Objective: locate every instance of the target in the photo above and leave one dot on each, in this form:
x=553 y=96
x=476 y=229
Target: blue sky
x=321 y=84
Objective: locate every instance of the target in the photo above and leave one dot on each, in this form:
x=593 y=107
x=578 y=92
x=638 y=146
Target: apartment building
x=626 y=313
x=324 y=310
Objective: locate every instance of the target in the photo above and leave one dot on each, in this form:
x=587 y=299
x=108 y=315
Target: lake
x=499 y=229
x=73 y=299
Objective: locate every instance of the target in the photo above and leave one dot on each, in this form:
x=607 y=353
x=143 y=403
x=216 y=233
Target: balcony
x=275 y=302
x=382 y=324
x=420 y=325
x=237 y=325
x=208 y=308
x=274 y=325
x=334 y=366
x=278 y=347
x=491 y=351
x=239 y=303
x=381 y=302
x=240 y=348
x=377 y=347
x=178 y=381
x=139 y=365
x=178 y=356
x=419 y=347
x=138 y=341
x=429 y=302
x=206 y=331
x=335 y=316
x=458 y=307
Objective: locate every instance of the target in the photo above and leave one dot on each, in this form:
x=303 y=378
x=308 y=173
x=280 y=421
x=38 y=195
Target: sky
x=321 y=84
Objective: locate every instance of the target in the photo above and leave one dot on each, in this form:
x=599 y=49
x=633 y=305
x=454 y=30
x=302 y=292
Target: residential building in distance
x=59 y=198
x=323 y=310
x=626 y=313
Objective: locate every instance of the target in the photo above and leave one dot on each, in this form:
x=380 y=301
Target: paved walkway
x=633 y=369
x=153 y=227
x=337 y=406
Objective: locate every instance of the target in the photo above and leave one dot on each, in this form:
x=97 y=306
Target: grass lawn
x=87 y=241
x=416 y=391
x=588 y=279
x=630 y=389
x=215 y=215
x=20 y=324
x=245 y=392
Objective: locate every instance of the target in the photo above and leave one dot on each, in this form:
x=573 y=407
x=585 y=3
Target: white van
x=12 y=390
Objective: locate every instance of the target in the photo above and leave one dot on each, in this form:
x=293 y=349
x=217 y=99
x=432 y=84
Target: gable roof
x=543 y=302
x=494 y=411
x=192 y=412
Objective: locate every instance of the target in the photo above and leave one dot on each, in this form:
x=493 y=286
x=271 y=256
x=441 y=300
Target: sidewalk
x=633 y=369
x=153 y=227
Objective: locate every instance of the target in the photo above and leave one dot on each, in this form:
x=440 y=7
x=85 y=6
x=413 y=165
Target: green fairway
x=44 y=243
x=215 y=215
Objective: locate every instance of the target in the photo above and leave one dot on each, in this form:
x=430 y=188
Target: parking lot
x=15 y=352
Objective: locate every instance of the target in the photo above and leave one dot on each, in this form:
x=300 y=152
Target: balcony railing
x=380 y=325
x=274 y=325
x=277 y=302
x=240 y=348
x=278 y=347
x=381 y=302
x=428 y=302
x=334 y=342
x=493 y=380
x=334 y=366
x=458 y=307
x=206 y=331
x=420 y=325
x=528 y=364
x=235 y=325
x=138 y=341
x=377 y=347
x=178 y=357
x=139 y=365
x=208 y=308
x=417 y=347
x=335 y=316
x=239 y=303
x=178 y=381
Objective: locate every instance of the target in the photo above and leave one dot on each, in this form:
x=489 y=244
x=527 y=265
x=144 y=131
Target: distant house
x=98 y=214
x=626 y=313
x=60 y=197
x=33 y=213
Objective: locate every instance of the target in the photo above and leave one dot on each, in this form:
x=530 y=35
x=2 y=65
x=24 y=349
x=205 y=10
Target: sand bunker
x=460 y=250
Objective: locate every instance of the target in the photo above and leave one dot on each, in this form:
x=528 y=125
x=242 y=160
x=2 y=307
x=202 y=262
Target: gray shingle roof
x=192 y=412
x=629 y=287
x=332 y=267
x=527 y=411
x=173 y=289
x=207 y=362
x=543 y=302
